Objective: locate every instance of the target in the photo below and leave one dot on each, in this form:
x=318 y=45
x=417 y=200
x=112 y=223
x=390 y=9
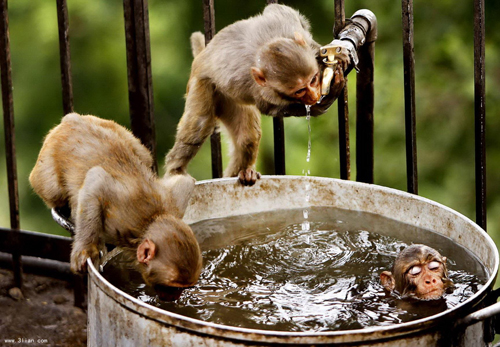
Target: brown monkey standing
x=103 y=173
x=268 y=63
x=419 y=272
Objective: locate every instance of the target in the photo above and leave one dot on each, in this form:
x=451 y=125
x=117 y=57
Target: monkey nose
x=430 y=281
x=312 y=99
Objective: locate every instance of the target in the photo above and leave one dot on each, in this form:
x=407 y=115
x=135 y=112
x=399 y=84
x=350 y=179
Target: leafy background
x=444 y=92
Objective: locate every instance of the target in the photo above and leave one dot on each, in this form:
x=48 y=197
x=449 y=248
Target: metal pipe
x=409 y=90
x=65 y=56
x=140 y=81
x=215 y=141
x=480 y=112
x=357 y=38
x=10 y=141
x=480 y=315
x=365 y=28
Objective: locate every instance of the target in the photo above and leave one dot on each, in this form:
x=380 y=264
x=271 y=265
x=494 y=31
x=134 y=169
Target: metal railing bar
x=215 y=139
x=342 y=104
x=10 y=142
x=409 y=92
x=480 y=112
x=35 y=244
x=65 y=56
x=140 y=81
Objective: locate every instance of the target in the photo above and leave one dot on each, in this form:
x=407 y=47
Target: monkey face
x=168 y=293
x=419 y=272
x=424 y=280
x=307 y=91
x=170 y=257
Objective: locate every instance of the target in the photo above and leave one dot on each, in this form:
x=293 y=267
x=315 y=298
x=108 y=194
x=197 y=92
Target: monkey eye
x=300 y=93
x=433 y=265
x=415 y=270
x=315 y=79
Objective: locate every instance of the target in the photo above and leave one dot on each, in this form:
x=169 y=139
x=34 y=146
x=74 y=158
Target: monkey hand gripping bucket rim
x=117 y=318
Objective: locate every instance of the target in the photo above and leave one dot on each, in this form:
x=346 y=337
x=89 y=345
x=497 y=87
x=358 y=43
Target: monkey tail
x=197 y=43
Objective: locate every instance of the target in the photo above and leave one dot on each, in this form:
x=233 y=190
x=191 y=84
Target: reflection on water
x=264 y=271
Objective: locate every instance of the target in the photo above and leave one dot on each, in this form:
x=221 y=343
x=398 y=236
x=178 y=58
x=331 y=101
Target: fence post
x=140 y=81
x=10 y=141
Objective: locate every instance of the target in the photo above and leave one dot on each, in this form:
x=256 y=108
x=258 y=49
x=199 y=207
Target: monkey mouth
x=167 y=293
x=431 y=295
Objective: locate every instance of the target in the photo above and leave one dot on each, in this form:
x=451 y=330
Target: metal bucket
x=117 y=319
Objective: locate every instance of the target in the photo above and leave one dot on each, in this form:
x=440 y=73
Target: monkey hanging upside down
x=103 y=173
x=265 y=64
x=419 y=272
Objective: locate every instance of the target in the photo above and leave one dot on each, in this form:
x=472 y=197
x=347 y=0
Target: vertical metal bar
x=10 y=140
x=480 y=112
x=65 y=56
x=140 y=82
x=279 y=137
x=79 y=289
x=409 y=88
x=342 y=103
x=279 y=145
x=364 y=113
x=215 y=142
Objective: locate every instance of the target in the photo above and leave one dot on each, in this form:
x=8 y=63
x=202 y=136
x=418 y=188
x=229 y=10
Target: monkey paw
x=248 y=177
x=79 y=258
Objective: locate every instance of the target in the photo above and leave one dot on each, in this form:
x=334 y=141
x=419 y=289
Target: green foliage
x=444 y=89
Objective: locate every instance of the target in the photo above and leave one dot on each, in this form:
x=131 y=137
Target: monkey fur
x=103 y=173
x=265 y=64
x=419 y=272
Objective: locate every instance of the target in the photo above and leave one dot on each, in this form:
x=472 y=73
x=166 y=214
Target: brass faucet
x=338 y=51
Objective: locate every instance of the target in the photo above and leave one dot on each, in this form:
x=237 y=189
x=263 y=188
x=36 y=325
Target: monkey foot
x=248 y=177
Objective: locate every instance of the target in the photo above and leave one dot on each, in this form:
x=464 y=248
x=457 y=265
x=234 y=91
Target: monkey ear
x=387 y=280
x=258 y=76
x=146 y=251
x=180 y=188
x=299 y=38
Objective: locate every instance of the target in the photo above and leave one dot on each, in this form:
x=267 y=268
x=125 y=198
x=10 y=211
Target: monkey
x=266 y=64
x=419 y=272
x=104 y=174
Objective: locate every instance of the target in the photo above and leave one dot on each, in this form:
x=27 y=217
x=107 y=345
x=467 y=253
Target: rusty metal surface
x=140 y=81
x=65 y=56
x=409 y=92
x=115 y=316
x=480 y=112
x=10 y=140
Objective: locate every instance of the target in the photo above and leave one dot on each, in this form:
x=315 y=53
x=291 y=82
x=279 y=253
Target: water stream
x=306 y=172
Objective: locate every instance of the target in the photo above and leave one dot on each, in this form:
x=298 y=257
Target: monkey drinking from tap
x=265 y=64
x=103 y=173
x=419 y=272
